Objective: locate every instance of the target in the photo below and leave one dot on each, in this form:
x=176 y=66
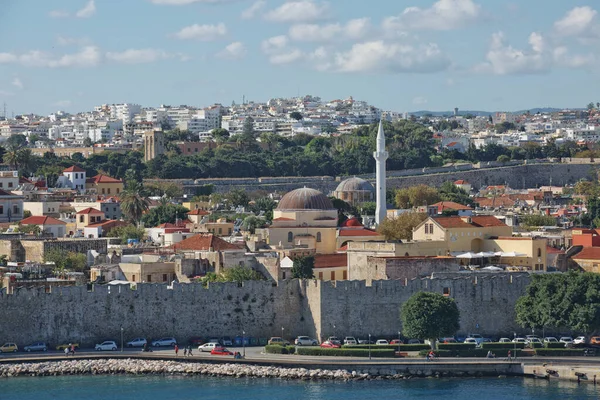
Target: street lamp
x=369 y=346
x=244 y=343
x=515 y=341
x=282 y=332
x=121 y=339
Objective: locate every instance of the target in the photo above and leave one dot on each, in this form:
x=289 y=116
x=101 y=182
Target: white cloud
x=202 y=32
x=274 y=44
x=419 y=101
x=251 y=12
x=353 y=29
x=503 y=59
x=88 y=57
x=16 y=82
x=186 y=2
x=72 y=41
x=562 y=57
x=299 y=11
x=137 y=56
x=580 y=21
x=58 y=14
x=286 y=57
x=381 y=56
x=6 y=58
x=6 y=93
x=87 y=11
x=441 y=16
x=233 y=51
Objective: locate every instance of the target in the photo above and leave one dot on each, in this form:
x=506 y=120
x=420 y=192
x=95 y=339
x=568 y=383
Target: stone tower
x=154 y=144
x=380 y=156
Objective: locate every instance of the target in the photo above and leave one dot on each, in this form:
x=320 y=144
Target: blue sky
x=400 y=55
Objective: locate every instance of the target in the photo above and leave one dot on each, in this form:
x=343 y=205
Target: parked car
x=350 y=341
x=38 y=346
x=550 y=339
x=382 y=342
x=365 y=341
x=595 y=340
x=567 y=340
x=414 y=341
x=478 y=338
x=67 y=345
x=470 y=340
x=330 y=345
x=214 y=340
x=305 y=341
x=448 y=340
x=9 y=348
x=221 y=351
x=137 y=342
x=108 y=345
x=519 y=340
x=168 y=341
x=531 y=342
x=335 y=339
x=208 y=347
x=396 y=342
x=278 y=340
x=226 y=341
x=579 y=340
x=504 y=340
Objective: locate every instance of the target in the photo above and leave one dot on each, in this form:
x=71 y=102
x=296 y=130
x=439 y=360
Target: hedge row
x=555 y=345
x=402 y=347
x=456 y=346
x=491 y=346
x=345 y=352
x=278 y=349
x=560 y=352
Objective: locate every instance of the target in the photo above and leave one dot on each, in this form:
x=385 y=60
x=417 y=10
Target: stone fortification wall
x=516 y=176
x=300 y=307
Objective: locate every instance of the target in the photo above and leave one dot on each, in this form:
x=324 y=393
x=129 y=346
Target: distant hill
x=487 y=113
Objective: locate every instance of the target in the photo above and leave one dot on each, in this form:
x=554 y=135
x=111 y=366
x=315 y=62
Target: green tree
x=32 y=229
x=415 y=196
x=591 y=106
x=164 y=213
x=240 y=274
x=133 y=205
x=401 y=227
x=569 y=301
x=266 y=205
x=252 y=223
x=128 y=232
x=238 y=197
x=220 y=135
x=450 y=192
x=303 y=267
x=503 y=158
x=367 y=208
x=429 y=315
x=87 y=142
x=66 y=261
x=296 y=115
x=537 y=220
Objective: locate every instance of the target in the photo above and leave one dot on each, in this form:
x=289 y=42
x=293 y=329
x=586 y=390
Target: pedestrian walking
x=509 y=355
x=190 y=350
x=73 y=349
x=185 y=351
x=67 y=351
x=176 y=350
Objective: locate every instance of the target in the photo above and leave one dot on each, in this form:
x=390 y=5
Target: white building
x=72 y=177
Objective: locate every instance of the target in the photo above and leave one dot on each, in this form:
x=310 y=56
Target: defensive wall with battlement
x=315 y=308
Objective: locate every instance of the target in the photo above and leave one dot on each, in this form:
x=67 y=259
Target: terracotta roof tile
x=41 y=220
x=450 y=205
x=90 y=210
x=331 y=260
x=198 y=212
x=588 y=253
x=204 y=242
x=461 y=222
x=100 y=178
x=74 y=168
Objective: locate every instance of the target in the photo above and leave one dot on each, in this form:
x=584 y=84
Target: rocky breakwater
x=159 y=367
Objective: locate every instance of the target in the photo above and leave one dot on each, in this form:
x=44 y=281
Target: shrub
x=439 y=353
x=507 y=346
x=536 y=345
x=456 y=346
x=278 y=349
x=555 y=345
x=403 y=347
x=345 y=352
x=560 y=352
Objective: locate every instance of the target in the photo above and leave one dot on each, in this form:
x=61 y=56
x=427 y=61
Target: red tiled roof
x=461 y=182
x=450 y=205
x=501 y=201
x=331 y=260
x=552 y=250
x=179 y=224
x=351 y=222
x=205 y=242
x=588 y=253
x=107 y=224
x=476 y=222
x=74 y=168
x=90 y=210
x=100 y=178
x=41 y=220
x=198 y=212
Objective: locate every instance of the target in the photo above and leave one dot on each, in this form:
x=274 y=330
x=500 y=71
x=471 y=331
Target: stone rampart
x=320 y=309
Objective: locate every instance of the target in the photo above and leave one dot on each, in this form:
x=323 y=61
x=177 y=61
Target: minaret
x=380 y=156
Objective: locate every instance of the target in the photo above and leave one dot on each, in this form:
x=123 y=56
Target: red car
x=396 y=342
x=221 y=351
x=330 y=345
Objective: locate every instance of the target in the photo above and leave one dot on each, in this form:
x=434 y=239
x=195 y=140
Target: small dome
x=351 y=223
x=355 y=185
x=305 y=199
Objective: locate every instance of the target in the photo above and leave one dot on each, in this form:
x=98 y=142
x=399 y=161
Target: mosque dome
x=352 y=223
x=305 y=199
x=355 y=185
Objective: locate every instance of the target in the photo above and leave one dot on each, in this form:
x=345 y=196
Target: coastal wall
x=516 y=176
x=315 y=308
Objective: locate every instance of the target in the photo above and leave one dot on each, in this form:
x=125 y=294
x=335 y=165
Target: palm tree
x=133 y=205
x=11 y=158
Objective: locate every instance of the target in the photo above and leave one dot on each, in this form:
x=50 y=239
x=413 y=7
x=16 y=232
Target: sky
x=399 y=55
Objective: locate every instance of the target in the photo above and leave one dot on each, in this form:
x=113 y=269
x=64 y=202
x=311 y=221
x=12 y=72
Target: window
x=446 y=291
x=220 y=231
x=320 y=276
x=108 y=190
x=332 y=275
x=10 y=184
x=133 y=278
x=290 y=237
x=165 y=276
x=81 y=218
x=283 y=275
x=0 y=184
x=76 y=176
x=1 y=210
x=229 y=231
x=114 y=209
x=318 y=237
x=118 y=190
x=345 y=275
x=149 y=278
x=539 y=252
x=103 y=191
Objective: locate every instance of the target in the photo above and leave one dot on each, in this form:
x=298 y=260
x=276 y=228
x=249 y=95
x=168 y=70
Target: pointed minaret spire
x=380 y=156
